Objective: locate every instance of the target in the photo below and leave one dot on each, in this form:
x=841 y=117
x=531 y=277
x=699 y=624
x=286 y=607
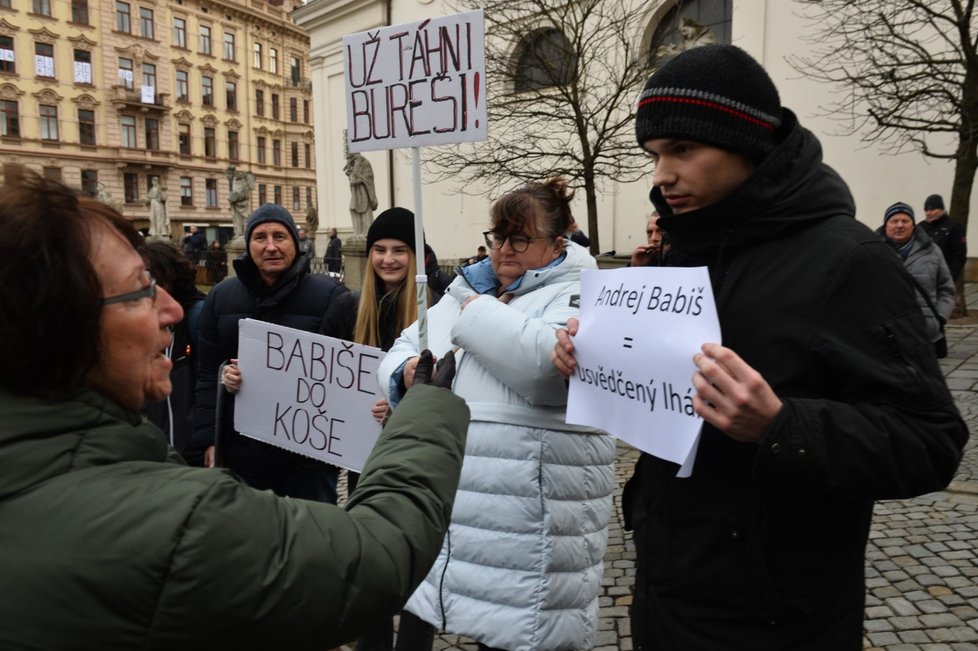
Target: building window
x=273 y=60
x=83 y=67
x=207 y=91
x=295 y=154
x=667 y=40
x=7 y=58
x=295 y=70
x=205 y=39
x=79 y=12
x=42 y=7
x=257 y=56
x=130 y=187
x=5 y=4
x=183 y=135
x=210 y=143
x=44 y=59
x=262 y=194
x=260 y=148
x=296 y=198
x=152 y=134
x=305 y=111
x=180 y=32
x=276 y=152
x=127 y=125
x=149 y=82
x=308 y=197
x=49 y=122
x=233 y=145
x=183 y=86
x=545 y=59
x=229 y=46
x=278 y=194
x=89 y=182
x=308 y=156
x=275 y=107
x=9 y=119
x=146 y=23
x=186 y=191
x=123 y=17
x=210 y=193
x=86 y=127
x=52 y=173
x=259 y=102
x=231 y=95
x=125 y=73
x=294 y=109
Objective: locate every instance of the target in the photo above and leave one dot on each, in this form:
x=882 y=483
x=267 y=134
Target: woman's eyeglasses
x=519 y=243
x=149 y=291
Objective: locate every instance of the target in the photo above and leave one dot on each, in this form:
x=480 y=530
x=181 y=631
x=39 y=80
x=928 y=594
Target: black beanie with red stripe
x=713 y=94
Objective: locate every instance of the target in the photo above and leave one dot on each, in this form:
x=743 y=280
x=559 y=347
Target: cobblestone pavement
x=921 y=560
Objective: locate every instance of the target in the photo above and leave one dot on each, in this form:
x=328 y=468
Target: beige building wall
x=126 y=74
x=771 y=30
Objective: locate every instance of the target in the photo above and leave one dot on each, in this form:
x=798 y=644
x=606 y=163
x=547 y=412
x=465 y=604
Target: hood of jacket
x=790 y=190
x=44 y=438
x=481 y=279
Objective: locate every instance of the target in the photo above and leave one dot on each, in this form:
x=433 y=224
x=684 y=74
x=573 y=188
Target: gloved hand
x=444 y=371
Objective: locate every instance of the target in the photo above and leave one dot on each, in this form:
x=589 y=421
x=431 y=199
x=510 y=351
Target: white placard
x=307 y=393
x=148 y=95
x=417 y=84
x=639 y=330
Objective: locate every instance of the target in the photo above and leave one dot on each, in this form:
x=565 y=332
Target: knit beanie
x=934 y=202
x=714 y=94
x=896 y=209
x=395 y=223
x=271 y=212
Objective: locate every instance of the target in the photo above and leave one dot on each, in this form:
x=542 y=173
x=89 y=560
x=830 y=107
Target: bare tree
x=908 y=75
x=562 y=80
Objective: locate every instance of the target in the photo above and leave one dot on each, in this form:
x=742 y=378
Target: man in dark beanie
x=272 y=284
x=824 y=397
x=948 y=234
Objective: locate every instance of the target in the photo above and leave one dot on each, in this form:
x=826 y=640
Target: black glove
x=444 y=371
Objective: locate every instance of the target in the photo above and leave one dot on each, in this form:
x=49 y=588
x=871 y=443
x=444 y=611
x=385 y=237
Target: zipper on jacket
x=441 y=579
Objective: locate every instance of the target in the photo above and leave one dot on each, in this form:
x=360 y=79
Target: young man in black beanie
x=824 y=397
x=948 y=234
x=272 y=284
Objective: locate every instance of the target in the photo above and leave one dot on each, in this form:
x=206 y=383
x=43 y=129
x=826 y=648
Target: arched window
x=669 y=39
x=545 y=59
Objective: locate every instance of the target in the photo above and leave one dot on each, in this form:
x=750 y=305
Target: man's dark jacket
x=298 y=300
x=763 y=547
x=949 y=235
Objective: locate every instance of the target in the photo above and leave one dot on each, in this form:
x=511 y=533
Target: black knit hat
x=896 y=209
x=934 y=202
x=714 y=94
x=271 y=212
x=395 y=223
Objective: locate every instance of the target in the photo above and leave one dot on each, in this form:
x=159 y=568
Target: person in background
x=194 y=245
x=924 y=261
x=653 y=252
x=305 y=244
x=217 y=262
x=480 y=255
x=334 y=252
x=576 y=235
x=175 y=414
x=948 y=234
x=438 y=280
x=824 y=396
x=375 y=316
x=107 y=539
x=272 y=284
x=521 y=565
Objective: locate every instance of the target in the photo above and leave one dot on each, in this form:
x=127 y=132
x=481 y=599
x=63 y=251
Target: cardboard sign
x=639 y=330
x=307 y=393
x=416 y=84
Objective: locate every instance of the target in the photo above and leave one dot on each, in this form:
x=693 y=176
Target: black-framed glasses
x=519 y=243
x=149 y=291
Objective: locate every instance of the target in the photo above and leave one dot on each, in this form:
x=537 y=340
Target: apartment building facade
x=106 y=95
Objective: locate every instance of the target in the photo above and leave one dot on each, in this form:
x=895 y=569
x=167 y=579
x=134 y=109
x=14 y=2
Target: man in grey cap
x=273 y=284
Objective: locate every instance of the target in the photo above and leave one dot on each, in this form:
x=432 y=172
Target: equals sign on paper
x=628 y=342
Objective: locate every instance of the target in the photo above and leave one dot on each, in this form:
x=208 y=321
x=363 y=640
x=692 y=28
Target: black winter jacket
x=297 y=300
x=762 y=548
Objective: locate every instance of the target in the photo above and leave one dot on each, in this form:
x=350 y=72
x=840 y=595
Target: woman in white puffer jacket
x=521 y=566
